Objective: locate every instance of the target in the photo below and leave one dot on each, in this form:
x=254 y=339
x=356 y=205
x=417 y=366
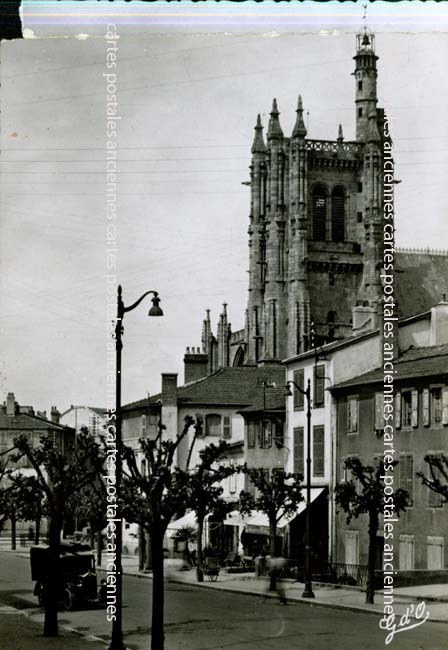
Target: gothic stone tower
x=315 y=231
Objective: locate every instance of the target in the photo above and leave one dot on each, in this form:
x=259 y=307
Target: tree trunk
x=272 y=538
x=52 y=583
x=200 y=559
x=13 y=531
x=373 y=529
x=158 y=596
x=141 y=548
x=148 y=558
x=37 y=522
x=99 y=547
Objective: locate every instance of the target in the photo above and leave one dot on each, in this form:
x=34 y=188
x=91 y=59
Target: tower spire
x=258 y=145
x=274 y=128
x=299 y=130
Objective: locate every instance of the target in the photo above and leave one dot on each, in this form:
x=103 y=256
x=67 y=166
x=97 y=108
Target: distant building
x=92 y=418
x=17 y=420
x=218 y=401
x=326 y=367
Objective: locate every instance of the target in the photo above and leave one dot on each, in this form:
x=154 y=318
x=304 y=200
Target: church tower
x=315 y=232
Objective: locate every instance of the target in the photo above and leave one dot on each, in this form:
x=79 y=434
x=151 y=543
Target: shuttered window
x=143 y=425
x=298 y=451
x=338 y=214
x=213 y=425
x=414 y=405
x=425 y=407
x=226 y=426
x=407 y=408
x=267 y=434
x=398 y=410
x=319 y=206
x=406 y=469
x=318 y=451
x=445 y=405
x=379 y=411
x=319 y=383
x=435 y=499
x=436 y=405
x=352 y=414
x=251 y=435
x=299 y=379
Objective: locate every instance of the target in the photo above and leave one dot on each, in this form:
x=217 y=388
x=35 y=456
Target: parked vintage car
x=77 y=581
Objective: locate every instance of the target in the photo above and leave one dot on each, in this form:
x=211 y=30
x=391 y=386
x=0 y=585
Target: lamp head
x=155 y=309
x=288 y=392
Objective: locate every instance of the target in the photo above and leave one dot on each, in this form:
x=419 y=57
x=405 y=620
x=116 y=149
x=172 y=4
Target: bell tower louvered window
x=319 y=203
x=338 y=214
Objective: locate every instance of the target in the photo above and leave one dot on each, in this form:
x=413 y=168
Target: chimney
x=438 y=332
x=55 y=415
x=195 y=365
x=169 y=389
x=10 y=404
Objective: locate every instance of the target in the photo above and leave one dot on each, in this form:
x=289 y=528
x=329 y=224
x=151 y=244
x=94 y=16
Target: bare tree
x=438 y=479
x=59 y=475
x=364 y=494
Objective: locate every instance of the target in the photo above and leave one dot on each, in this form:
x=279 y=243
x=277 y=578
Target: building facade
x=420 y=536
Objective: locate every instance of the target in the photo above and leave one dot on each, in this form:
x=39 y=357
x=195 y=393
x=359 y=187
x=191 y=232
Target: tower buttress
x=298 y=295
x=365 y=78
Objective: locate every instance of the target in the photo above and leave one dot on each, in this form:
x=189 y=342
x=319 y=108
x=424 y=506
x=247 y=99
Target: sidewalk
x=18 y=632
x=349 y=598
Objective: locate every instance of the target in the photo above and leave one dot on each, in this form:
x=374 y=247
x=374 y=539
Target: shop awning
x=258 y=523
x=189 y=519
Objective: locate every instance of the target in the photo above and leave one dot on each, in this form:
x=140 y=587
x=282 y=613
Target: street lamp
x=308 y=591
x=117 y=625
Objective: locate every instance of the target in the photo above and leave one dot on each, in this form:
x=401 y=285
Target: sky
x=188 y=100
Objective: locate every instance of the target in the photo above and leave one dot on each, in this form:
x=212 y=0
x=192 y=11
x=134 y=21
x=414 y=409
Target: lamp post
x=117 y=624
x=308 y=591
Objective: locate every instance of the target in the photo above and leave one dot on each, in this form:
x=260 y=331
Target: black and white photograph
x=224 y=325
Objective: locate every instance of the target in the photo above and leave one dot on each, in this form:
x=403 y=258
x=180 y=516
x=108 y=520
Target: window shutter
x=406 y=467
x=251 y=435
x=425 y=397
x=267 y=434
x=414 y=405
x=318 y=451
x=352 y=415
x=435 y=499
x=397 y=410
x=319 y=378
x=143 y=425
x=445 y=405
x=379 y=411
x=298 y=451
x=227 y=426
x=299 y=379
x=260 y=434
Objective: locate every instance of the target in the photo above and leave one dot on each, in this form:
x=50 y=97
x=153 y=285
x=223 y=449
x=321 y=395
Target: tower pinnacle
x=299 y=130
x=274 y=128
x=258 y=145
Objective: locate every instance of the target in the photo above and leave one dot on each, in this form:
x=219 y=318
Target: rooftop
x=414 y=363
x=26 y=421
x=242 y=386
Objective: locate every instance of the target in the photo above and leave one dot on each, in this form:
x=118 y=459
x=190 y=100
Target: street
x=198 y=619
